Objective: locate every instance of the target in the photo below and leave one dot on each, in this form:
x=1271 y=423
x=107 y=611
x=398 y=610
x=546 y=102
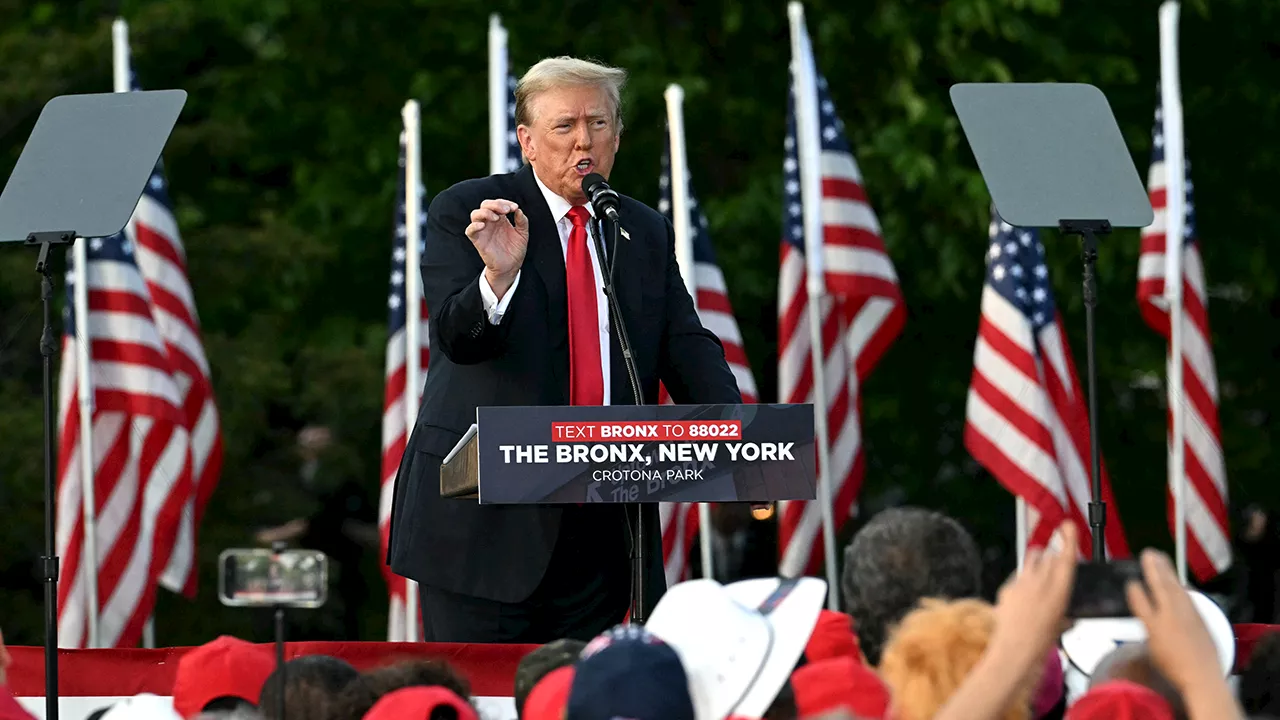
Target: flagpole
x=498 y=68
x=1175 y=171
x=413 y=305
x=681 y=217
x=84 y=399
x=120 y=83
x=810 y=153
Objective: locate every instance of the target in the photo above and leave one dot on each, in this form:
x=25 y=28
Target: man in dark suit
x=518 y=317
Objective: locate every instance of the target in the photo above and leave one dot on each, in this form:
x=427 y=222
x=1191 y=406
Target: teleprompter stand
x=81 y=174
x=1052 y=156
x=49 y=560
x=1089 y=230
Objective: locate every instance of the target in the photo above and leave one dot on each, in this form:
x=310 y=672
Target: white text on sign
x=635 y=453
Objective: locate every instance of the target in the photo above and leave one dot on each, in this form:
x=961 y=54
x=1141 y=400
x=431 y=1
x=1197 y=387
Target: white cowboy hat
x=738 y=643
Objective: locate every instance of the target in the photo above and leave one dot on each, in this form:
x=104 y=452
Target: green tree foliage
x=283 y=171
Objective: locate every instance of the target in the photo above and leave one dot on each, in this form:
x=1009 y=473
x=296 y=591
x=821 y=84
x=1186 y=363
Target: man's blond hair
x=565 y=71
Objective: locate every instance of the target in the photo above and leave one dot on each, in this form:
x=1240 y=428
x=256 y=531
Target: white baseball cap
x=738 y=643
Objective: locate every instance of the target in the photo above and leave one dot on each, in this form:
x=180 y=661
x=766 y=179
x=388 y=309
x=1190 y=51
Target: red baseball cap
x=832 y=637
x=418 y=702
x=839 y=683
x=549 y=698
x=1120 y=700
x=225 y=667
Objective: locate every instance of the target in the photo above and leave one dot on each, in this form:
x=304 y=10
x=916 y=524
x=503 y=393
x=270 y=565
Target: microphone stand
x=633 y=377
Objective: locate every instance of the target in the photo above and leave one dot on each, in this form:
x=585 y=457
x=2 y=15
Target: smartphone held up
x=1099 y=589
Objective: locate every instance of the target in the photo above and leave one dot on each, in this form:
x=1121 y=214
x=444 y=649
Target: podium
x=634 y=454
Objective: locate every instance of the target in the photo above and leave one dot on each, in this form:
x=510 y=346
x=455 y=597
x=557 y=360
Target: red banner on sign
x=643 y=430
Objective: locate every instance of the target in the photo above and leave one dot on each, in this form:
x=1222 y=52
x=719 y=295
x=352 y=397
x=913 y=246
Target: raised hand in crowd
x=1029 y=614
x=1179 y=642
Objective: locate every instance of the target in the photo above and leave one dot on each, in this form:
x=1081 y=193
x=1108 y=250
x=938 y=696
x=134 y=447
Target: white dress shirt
x=495 y=308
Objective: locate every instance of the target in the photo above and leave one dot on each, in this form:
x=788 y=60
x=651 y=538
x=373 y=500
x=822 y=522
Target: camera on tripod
x=273 y=578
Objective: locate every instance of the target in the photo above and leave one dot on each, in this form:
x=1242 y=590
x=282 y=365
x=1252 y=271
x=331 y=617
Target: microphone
x=603 y=199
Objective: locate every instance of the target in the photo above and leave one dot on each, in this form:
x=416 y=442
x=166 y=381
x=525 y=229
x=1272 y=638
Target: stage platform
x=90 y=679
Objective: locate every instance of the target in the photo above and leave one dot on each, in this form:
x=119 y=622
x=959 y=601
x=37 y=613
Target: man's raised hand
x=501 y=245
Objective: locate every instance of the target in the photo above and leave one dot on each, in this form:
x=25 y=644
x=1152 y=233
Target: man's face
x=571 y=134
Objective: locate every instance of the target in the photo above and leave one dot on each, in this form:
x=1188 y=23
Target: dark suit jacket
x=501 y=552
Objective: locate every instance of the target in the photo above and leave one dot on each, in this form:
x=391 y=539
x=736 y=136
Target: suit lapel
x=547 y=258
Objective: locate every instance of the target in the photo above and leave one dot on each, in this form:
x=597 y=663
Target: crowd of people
x=915 y=641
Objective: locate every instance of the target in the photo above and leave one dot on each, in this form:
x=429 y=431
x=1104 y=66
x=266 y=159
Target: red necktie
x=586 y=382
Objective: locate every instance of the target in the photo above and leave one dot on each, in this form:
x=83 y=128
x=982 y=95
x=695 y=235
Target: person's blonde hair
x=933 y=649
x=565 y=71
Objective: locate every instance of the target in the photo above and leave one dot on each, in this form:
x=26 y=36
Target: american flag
x=862 y=313
x=396 y=425
x=504 y=143
x=1026 y=419
x=1208 y=536
x=515 y=156
x=139 y=294
x=680 y=520
x=141 y=450
x=161 y=258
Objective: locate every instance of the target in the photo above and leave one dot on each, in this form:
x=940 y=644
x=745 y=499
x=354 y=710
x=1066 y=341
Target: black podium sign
x=653 y=453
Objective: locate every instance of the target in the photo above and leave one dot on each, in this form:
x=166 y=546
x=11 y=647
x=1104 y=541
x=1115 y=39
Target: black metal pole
x=1097 y=507
x=49 y=561
x=280 y=666
x=278 y=547
x=638 y=615
x=1089 y=230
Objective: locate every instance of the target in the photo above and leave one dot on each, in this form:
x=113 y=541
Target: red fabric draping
x=490 y=668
